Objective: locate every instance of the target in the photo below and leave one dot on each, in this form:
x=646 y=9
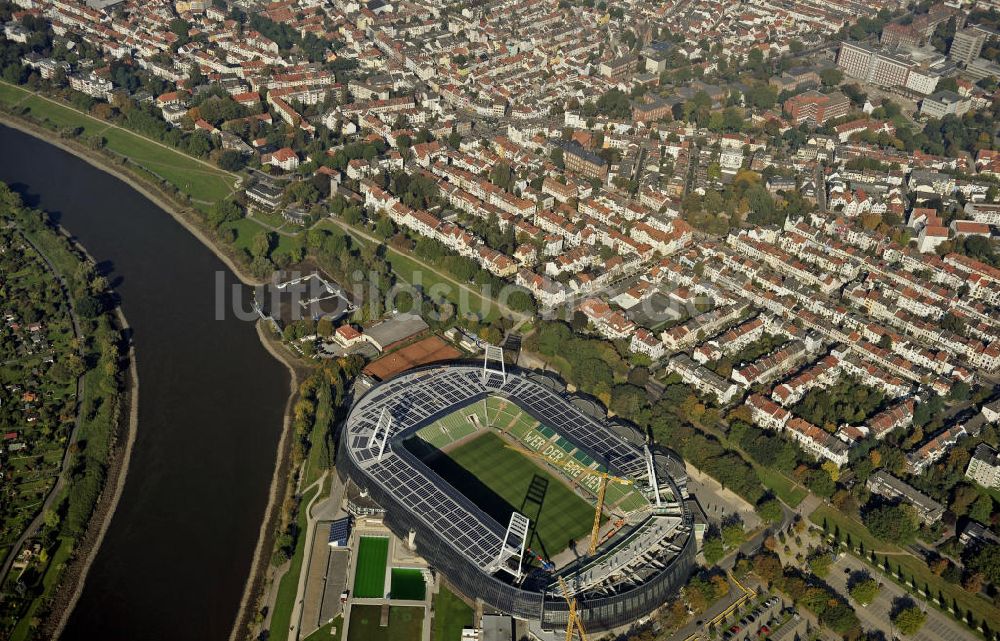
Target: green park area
x=369 y=573
x=199 y=180
x=500 y=481
x=451 y=615
x=405 y=624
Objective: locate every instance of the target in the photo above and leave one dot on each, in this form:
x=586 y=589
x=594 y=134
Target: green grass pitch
x=369 y=576
x=404 y=624
x=500 y=480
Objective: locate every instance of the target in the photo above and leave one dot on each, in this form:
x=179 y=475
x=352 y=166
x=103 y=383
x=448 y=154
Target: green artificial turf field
x=369 y=575
x=408 y=584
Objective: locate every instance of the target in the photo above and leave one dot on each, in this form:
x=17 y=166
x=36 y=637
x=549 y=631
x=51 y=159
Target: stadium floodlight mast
x=493 y=354
x=517 y=529
x=654 y=484
x=385 y=425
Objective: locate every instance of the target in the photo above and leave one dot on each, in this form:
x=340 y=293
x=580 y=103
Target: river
x=178 y=551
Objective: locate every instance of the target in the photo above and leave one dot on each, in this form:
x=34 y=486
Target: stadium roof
x=420 y=397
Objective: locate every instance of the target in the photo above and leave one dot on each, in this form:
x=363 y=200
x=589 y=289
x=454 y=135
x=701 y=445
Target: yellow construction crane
x=573 y=622
x=601 y=489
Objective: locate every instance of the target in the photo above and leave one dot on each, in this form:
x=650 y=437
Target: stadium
x=521 y=495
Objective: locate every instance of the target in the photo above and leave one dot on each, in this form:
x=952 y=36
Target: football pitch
x=369 y=576
x=500 y=481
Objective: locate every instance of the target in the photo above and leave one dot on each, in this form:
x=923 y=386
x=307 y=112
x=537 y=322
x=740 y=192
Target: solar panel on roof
x=340 y=532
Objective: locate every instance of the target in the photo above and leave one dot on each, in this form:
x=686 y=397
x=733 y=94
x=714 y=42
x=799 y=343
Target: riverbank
x=152 y=192
x=75 y=574
x=257 y=576
x=114 y=434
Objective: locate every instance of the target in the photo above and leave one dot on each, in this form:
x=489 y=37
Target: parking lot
x=939 y=626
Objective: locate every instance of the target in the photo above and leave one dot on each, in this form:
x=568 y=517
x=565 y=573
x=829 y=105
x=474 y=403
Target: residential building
x=886 y=485
x=984 y=466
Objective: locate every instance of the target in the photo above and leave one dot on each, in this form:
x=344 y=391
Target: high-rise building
x=855 y=59
x=875 y=67
x=984 y=466
x=967 y=45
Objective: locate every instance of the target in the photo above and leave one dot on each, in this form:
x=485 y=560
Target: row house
x=732 y=341
x=770 y=366
x=697 y=328
x=894 y=417
x=546 y=291
x=645 y=342
x=703 y=379
x=609 y=323
x=766 y=413
x=822 y=374
x=934 y=449
x=816 y=441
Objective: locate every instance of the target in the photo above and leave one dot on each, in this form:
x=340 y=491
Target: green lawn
x=415 y=274
x=369 y=572
x=407 y=584
x=328 y=632
x=282 y=615
x=11 y=94
x=195 y=179
x=61 y=116
x=500 y=480
x=451 y=614
x=404 y=624
x=912 y=566
x=247 y=228
x=200 y=181
x=782 y=486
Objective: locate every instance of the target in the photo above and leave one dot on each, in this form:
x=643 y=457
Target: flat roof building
x=888 y=486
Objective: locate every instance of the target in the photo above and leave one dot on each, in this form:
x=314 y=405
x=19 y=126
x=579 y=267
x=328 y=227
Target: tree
x=261 y=245
x=733 y=535
x=987 y=561
x=713 y=549
x=982 y=509
x=896 y=523
x=908 y=620
x=831 y=76
x=819 y=563
x=767 y=566
x=770 y=511
x=864 y=591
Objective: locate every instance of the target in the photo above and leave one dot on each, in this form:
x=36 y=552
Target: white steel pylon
x=515 y=541
x=493 y=355
x=384 y=425
x=654 y=484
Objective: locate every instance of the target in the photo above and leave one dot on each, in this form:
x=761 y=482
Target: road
x=939 y=626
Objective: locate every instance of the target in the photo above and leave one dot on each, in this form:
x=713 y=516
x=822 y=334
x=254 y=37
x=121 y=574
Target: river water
x=211 y=400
